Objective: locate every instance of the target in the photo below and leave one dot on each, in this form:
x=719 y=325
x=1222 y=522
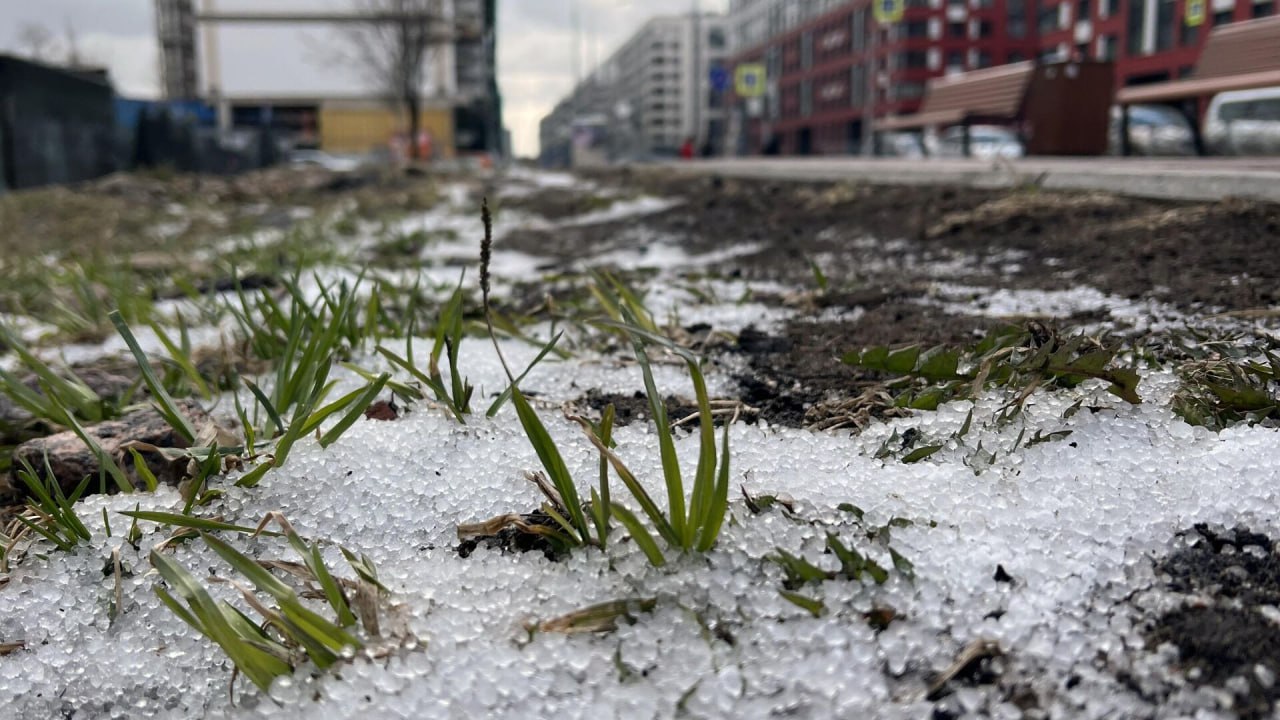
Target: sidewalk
x=1172 y=178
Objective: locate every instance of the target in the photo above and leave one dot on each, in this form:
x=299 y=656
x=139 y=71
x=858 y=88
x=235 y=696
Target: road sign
x=748 y=80
x=719 y=78
x=1195 y=13
x=888 y=11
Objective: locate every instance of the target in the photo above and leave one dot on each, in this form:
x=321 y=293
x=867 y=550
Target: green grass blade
x=248 y=567
x=144 y=471
x=332 y=592
x=644 y=540
x=506 y=394
x=272 y=414
x=259 y=666
x=719 y=505
x=703 y=495
x=167 y=407
x=666 y=447
x=650 y=508
x=254 y=476
x=357 y=408
x=105 y=461
x=183 y=361
x=50 y=535
x=552 y=462
x=189 y=521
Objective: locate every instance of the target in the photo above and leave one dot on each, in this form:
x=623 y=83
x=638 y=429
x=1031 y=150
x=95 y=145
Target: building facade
x=666 y=84
x=830 y=64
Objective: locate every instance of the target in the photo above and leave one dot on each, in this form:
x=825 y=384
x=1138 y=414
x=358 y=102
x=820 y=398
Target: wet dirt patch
x=797 y=378
x=1226 y=630
x=635 y=407
x=559 y=203
x=1185 y=253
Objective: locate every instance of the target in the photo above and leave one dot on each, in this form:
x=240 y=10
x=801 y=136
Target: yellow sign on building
x=748 y=80
x=888 y=11
x=1195 y=13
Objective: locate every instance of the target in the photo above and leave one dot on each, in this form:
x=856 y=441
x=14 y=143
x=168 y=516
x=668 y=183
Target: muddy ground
x=881 y=248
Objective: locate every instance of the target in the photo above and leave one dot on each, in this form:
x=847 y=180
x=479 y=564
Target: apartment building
x=1149 y=40
x=665 y=84
x=829 y=64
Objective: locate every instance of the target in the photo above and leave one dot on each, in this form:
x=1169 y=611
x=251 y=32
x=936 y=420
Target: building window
x=1015 y=57
x=806 y=50
x=1165 y=20
x=1224 y=17
x=859 y=30
x=915 y=29
x=955 y=30
x=715 y=39
x=1137 y=17
x=1190 y=35
x=955 y=59
x=912 y=60
x=984 y=59
x=806 y=98
x=1263 y=9
x=1047 y=18
x=1107 y=47
x=1016 y=19
x=985 y=29
x=1109 y=8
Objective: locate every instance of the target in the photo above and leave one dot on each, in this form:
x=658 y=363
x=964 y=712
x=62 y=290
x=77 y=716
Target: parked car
x=1246 y=122
x=900 y=144
x=1153 y=130
x=986 y=142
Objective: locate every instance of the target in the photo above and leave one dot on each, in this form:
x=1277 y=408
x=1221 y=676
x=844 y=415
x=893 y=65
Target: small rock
x=71 y=460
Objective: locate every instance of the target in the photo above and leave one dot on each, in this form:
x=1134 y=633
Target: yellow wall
x=358 y=130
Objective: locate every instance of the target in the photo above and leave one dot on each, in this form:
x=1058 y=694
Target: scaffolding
x=176 y=31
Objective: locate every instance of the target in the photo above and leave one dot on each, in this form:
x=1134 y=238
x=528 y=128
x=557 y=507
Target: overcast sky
x=534 y=47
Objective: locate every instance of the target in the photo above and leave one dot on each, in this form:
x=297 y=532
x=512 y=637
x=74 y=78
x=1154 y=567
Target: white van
x=1245 y=122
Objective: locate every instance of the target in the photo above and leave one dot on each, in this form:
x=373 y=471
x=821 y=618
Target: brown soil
x=879 y=249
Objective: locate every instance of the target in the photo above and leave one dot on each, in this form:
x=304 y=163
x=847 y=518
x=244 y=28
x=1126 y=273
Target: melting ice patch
x=622 y=210
x=1144 y=314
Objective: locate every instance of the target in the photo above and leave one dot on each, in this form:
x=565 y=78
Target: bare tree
x=73 y=55
x=37 y=42
x=393 y=49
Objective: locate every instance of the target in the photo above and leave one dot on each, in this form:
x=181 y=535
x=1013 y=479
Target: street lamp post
x=697 y=75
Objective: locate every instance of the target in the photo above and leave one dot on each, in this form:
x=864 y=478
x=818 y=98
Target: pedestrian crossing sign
x=748 y=80
x=1195 y=13
x=888 y=11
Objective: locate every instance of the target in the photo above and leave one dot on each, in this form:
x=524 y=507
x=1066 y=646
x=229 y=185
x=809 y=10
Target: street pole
x=697 y=76
x=869 y=88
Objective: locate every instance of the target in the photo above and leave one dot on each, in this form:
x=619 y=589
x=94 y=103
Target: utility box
x=1067 y=108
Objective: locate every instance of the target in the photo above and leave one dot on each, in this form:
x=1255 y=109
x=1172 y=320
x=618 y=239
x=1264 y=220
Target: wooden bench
x=1057 y=108
x=1238 y=56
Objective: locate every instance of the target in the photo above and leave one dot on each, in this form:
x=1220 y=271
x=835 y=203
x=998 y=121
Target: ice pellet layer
x=1075 y=522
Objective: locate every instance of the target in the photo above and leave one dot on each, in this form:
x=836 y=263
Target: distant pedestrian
x=686 y=150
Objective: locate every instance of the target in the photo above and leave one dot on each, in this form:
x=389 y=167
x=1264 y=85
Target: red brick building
x=818 y=67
